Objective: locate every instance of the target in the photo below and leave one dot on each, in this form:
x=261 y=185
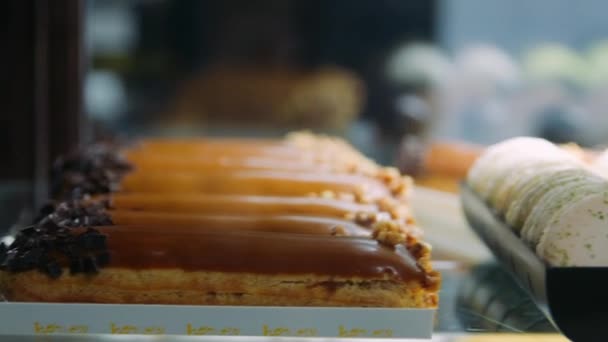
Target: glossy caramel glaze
x=142 y=247
x=238 y=205
x=260 y=182
x=278 y=224
x=170 y=162
x=213 y=149
x=155 y=142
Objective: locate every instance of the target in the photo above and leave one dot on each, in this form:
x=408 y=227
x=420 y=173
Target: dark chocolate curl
x=3 y=250
x=90 y=265
x=92 y=241
x=96 y=169
x=103 y=259
x=76 y=265
x=53 y=269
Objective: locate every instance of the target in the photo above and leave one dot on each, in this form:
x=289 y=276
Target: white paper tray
x=50 y=319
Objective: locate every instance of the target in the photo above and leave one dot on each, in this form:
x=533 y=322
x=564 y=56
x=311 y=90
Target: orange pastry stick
x=166 y=163
x=238 y=205
x=277 y=224
x=302 y=148
x=218 y=150
x=210 y=142
x=271 y=183
x=285 y=155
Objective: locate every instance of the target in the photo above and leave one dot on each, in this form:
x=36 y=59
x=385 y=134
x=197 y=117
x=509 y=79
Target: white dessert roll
x=531 y=194
x=554 y=200
x=483 y=173
x=578 y=234
x=600 y=164
x=551 y=197
x=511 y=190
x=521 y=168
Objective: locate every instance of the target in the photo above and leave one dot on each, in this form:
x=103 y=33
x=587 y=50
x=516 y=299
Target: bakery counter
x=478 y=303
x=123 y=215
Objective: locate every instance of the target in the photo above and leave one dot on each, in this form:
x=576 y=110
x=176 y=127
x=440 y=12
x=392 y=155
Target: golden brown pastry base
x=174 y=286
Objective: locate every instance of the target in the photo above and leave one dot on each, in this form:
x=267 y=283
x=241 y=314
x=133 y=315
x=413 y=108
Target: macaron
x=554 y=201
x=600 y=164
x=530 y=194
x=520 y=172
x=577 y=235
x=482 y=174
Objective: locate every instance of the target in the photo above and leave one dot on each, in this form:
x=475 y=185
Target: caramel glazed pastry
x=300 y=221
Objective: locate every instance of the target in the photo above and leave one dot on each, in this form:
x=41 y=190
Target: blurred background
x=376 y=71
x=386 y=74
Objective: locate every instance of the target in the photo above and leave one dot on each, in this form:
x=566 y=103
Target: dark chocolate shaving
x=3 y=251
x=92 y=240
x=53 y=269
x=103 y=259
x=90 y=264
x=28 y=231
x=63 y=238
x=76 y=265
x=58 y=237
x=78 y=213
x=45 y=211
x=96 y=169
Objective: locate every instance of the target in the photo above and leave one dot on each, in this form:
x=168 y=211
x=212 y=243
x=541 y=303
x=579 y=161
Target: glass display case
x=423 y=86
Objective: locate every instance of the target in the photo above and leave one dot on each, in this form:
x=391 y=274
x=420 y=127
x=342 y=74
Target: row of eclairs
x=305 y=220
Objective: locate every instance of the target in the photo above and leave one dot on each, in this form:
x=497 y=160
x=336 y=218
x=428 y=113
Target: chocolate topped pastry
x=302 y=221
x=50 y=247
x=301 y=165
x=96 y=169
x=65 y=235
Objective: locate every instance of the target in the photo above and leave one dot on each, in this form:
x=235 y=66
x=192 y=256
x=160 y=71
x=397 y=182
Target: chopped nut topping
x=397 y=209
x=399 y=185
x=413 y=230
x=388 y=174
x=389 y=233
x=420 y=249
x=338 y=231
x=361 y=196
x=328 y=194
x=345 y=196
x=422 y=252
x=350 y=216
x=365 y=218
x=388 y=205
x=402 y=186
